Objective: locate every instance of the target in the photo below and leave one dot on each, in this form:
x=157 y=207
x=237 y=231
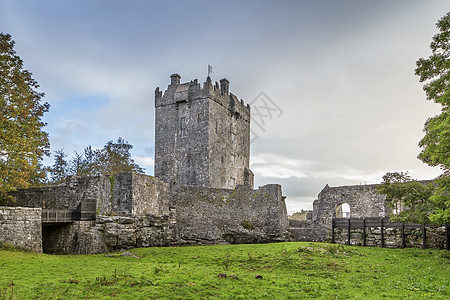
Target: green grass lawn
x=272 y=271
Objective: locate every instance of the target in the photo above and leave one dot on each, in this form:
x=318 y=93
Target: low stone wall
x=435 y=237
x=21 y=227
x=108 y=233
x=242 y=215
x=146 y=231
x=308 y=231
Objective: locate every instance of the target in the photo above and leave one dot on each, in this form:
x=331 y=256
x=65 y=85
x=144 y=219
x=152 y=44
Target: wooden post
x=364 y=232
x=403 y=235
x=382 y=233
x=424 y=236
x=332 y=230
x=348 y=231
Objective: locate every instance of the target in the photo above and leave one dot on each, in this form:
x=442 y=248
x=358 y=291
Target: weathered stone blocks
x=21 y=227
x=242 y=215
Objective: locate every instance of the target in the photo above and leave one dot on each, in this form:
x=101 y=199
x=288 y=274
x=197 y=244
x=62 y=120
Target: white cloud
x=144 y=161
x=277 y=166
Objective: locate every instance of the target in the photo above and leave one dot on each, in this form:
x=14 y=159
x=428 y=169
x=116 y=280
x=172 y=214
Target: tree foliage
x=23 y=142
x=434 y=73
x=408 y=197
x=116 y=157
x=112 y=159
x=60 y=167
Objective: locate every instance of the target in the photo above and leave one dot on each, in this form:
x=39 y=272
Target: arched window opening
x=343 y=210
x=398 y=208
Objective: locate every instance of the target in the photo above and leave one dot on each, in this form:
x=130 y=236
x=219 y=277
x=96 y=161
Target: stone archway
x=342 y=210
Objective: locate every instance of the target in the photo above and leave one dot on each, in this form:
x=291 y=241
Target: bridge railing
x=57 y=216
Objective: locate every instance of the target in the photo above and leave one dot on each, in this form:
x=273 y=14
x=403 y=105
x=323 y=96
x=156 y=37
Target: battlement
x=177 y=92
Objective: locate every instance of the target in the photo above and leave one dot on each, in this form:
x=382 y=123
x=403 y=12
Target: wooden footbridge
x=57 y=216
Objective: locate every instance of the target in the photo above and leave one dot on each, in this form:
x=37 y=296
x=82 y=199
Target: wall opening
x=183 y=127
x=398 y=208
x=343 y=210
x=55 y=238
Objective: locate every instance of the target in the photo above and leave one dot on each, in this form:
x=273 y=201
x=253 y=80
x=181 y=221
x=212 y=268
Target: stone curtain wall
x=21 y=227
x=150 y=196
x=243 y=215
x=77 y=193
x=131 y=210
x=122 y=194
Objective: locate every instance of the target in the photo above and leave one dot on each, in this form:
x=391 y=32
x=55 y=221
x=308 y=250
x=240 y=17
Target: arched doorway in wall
x=343 y=210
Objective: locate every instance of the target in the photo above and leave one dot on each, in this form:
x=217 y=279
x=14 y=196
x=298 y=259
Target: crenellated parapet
x=177 y=92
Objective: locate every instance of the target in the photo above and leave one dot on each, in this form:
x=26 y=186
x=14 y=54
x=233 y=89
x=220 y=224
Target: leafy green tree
x=86 y=164
x=23 y=143
x=434 y=72
x=408 y=197
x=113 y=158
x=116 y=157
x=59 y=170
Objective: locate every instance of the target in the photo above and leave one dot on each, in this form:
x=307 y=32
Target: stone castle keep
x=202 y=135
x=202 y=192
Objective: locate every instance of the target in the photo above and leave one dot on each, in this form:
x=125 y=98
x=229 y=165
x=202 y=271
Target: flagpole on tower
x=209 y=70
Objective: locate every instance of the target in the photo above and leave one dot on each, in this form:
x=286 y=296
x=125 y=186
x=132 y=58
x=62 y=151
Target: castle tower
x=202 y=135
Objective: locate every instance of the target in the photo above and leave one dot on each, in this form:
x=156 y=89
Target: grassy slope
x=288 y=270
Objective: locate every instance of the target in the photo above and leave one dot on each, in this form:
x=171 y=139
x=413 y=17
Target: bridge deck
x=57 y=216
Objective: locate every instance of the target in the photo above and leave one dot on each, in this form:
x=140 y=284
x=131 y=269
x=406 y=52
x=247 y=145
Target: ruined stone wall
x=122 y=194
x=21 y=227
x=308 y=231
x=364 y=201
x=243 y=215
x=77 y=193
x=109 y=233
x=131 y=194
x=133 y=210
x=126 y=210
x=150 y=195
x=114 y=195
x=435 y=237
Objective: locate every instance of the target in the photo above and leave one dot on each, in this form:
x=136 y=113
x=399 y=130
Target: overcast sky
x=338 y=77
